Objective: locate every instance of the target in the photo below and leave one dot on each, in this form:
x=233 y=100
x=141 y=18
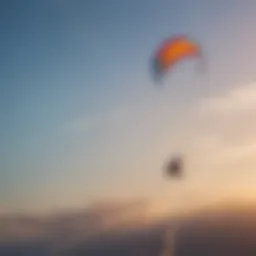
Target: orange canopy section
x=173 y=50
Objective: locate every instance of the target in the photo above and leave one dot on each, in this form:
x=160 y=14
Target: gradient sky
x=82 y=119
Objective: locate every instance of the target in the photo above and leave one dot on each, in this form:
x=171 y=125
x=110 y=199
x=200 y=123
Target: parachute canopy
x=173 y=50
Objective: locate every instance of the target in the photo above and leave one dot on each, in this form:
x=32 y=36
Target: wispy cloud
x=227 y=123
x=89 y=123
x=240 y=98
x=104 y=216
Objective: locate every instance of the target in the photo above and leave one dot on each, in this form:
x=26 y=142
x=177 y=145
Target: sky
x=82 y=119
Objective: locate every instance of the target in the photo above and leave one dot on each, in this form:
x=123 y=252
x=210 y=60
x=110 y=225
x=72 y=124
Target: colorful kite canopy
x=173 y=50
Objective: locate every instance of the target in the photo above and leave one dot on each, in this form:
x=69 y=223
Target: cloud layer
x=240 y=98
x=227 y=128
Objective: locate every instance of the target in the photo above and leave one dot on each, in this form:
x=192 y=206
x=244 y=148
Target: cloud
x=89 y=123
x=80 y=223
x=243 y=150
x=225 y=129
x=240 y=98
x=229 y=117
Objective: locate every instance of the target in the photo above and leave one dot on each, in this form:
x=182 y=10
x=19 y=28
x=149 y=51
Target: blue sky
x=81 y=117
